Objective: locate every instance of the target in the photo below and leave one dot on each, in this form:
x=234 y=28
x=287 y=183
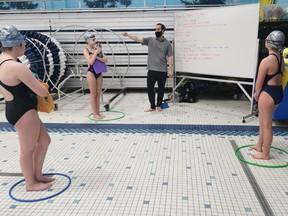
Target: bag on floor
x=187 y=92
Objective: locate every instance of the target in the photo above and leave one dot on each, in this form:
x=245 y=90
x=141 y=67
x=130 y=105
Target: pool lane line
x=254 y=184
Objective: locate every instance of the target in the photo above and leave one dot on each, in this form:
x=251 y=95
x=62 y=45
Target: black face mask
x=158 y=34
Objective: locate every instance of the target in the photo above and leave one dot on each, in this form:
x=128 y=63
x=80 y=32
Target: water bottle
x=101 y=53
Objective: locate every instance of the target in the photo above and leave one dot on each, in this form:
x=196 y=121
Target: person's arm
x=170 y=62
x=133 y=37
x=282 y=65
x=262 y=71
x=26 y=76
x=91 y=59
x=103 y=59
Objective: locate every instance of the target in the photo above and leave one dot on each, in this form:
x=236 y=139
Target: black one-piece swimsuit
x=23 y=100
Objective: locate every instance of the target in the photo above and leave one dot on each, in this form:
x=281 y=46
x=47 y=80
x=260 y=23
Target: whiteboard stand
x=172 y=97
x=239 y=83
x=254 y=112
x=174 y=74
x=206 y=40
x=254 y=107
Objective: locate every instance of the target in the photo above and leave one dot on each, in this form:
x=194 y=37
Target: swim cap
x=89 y=36
x=276 y=39
x=10 y=36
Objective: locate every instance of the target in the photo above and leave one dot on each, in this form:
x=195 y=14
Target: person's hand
x=125 y=34
x=98 y=51
x=170 y=74
x=45 y=85
x=256 y=96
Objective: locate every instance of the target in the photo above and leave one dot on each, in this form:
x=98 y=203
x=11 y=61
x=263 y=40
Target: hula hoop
x=105 y=120
x=44 y=198
x=260 y=165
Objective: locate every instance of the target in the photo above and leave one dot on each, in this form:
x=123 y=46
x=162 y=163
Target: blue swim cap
x=10 y=36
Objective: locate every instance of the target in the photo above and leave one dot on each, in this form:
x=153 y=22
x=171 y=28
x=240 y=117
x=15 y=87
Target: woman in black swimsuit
x=269 y=92
x=95 y=81
x=19 y=88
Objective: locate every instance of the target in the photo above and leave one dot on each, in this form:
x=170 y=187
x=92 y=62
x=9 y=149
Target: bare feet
x=260 y=156
x=96 y=116
x=44 y=179
x=159 y=109
x=103 y=116
x=149 y=110
x=38 y=186
x=256 y=148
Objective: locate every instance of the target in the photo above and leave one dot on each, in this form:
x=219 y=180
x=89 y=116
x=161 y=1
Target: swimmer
x=19 y=88
x=269 y=92
x=95 y=81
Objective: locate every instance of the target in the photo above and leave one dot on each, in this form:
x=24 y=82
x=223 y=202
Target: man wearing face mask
x=159 y=51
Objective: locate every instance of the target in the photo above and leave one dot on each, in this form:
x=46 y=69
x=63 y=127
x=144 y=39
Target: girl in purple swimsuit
x=95 y=81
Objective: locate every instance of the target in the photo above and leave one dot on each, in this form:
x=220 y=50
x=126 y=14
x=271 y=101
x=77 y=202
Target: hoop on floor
x=44 y=198
x=260 y=165
x=105 y=120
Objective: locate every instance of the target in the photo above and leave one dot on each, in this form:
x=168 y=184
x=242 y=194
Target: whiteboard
x=218 y=41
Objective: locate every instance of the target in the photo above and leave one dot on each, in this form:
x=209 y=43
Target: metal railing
x=72 y=5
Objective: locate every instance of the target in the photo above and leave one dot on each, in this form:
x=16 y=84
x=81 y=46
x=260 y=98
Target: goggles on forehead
x=89 y=36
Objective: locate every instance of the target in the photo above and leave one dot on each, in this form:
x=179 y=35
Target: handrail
x=79 y=10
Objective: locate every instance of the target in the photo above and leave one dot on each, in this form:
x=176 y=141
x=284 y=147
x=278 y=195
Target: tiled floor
x=178 y=162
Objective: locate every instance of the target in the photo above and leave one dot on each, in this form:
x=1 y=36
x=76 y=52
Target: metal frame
x=239 y=83
x=77 y=72
x=172 y=9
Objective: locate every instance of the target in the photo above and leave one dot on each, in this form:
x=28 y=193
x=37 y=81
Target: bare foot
x=95 y=116
x=256 y=148
x=159 y=109
x=103 y=116
x=149 y=110
x=44 y=179
x=38 y=186
x=260 y=156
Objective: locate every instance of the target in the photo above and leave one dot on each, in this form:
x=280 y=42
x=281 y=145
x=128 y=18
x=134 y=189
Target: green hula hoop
x=105 y=120
x=260 y=165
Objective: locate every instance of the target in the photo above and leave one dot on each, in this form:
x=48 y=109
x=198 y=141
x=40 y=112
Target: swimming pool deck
x=177 y=162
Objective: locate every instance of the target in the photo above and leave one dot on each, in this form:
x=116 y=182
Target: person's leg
x=99 y=83
x=40 y=153
x=259 y=144
x=161 y=81
x=266 y=108
x=92 y=87
x=28 y=128
x=151 y=80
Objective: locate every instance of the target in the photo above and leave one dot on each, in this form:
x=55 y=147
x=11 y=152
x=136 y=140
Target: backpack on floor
x=187 y=92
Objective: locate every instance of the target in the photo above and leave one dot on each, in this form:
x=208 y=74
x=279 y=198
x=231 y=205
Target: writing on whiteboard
x=218 y=41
